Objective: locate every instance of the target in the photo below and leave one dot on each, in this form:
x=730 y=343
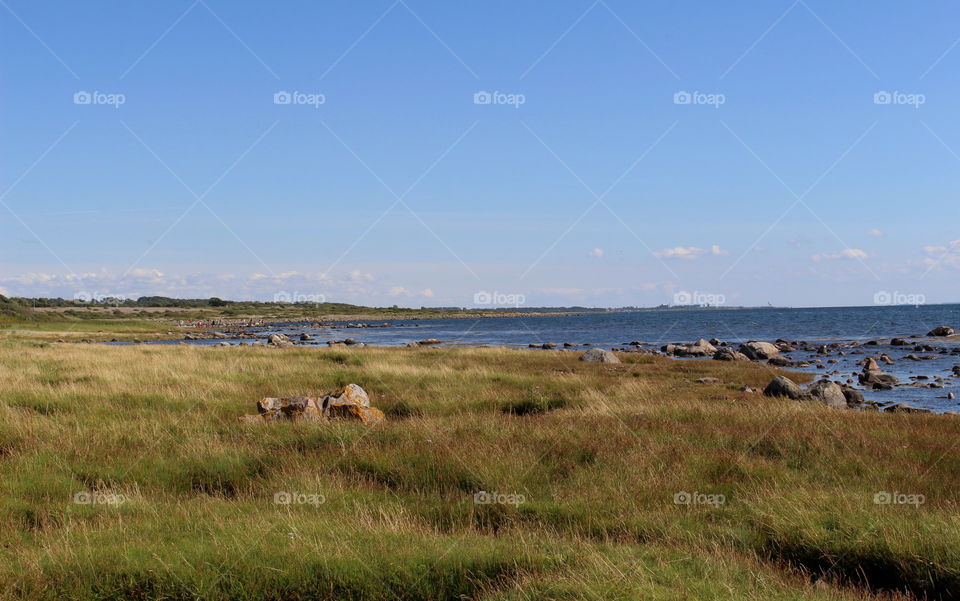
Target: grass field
x=126 y=475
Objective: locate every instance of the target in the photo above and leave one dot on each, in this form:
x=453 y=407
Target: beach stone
x=548 y=345
x=596 y=355
x=783 y=387
x=707 y=380
x=828 y=393
x=759 y=351
x=779 y=361
x=899 y=342
x=429 y=341
x=941 y=331
x=728 y=354
x=279 y=340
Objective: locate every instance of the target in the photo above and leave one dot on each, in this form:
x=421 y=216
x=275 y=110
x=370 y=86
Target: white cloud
x=427 y=293
x=847 y=253
x=939 y=257
x=397 y=291
x=596 y=253
x=876 y=233
x=689 y=252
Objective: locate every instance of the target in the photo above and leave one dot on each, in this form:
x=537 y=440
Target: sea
x=655 y=328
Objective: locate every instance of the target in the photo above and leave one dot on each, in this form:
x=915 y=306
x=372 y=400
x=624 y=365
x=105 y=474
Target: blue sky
x=789 y=177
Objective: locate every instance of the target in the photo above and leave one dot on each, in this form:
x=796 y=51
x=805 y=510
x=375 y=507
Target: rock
x=783 y=387
x=901 y=408
x=568 y=344
x=223 y=344
x=348 y=403
x=828 y=393
x=351 y=394
x=413 y=345
x=707 y=380
x=780 y=361
x=429 y=341
x=746 y=388
x=728 y=354
x=941 y=331
x=886 y=359
x=596 y=355
x=306 y=336
x=759 y=351
x=899 y=342
x=548 y=345
x=280 y=340
x=853 y=396
x=349 y=341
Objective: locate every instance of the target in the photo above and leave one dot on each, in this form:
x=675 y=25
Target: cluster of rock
x=349 y=403
x=831 y=394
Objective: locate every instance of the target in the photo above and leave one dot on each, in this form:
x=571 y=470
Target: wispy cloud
x=690 y=252
x=847 y=253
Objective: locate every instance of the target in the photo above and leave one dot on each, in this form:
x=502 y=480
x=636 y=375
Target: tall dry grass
x=589 y=458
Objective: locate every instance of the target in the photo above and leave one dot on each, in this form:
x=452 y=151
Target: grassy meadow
x=126 y=475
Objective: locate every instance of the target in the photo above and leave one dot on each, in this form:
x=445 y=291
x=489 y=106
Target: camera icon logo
x=882 y=298
x=682 y=97
x=282 y=498
x=682 y=498
x=82 y=97
x=482 y=98
x=882 y=97
x=282 y=97
x=482 y=298
x=282 y=297
x=682 y=298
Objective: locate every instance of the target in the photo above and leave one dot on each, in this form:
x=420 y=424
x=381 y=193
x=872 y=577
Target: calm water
x=660 y=327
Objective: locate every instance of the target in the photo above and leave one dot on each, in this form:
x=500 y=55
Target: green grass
x=591 y=457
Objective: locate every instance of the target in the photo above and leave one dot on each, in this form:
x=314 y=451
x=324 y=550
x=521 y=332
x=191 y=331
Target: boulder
x=759 y=351
x=941 y=331
x=548 y=345
x=780 y=361
x=348 y=403
x=429 y=341
x=783 y=387
x=728 y=354
x=280 y=340
x=828 y=393
x=596 y=355
x=853 y=396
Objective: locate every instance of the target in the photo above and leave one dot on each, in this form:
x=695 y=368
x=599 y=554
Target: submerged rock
x=941 y=331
